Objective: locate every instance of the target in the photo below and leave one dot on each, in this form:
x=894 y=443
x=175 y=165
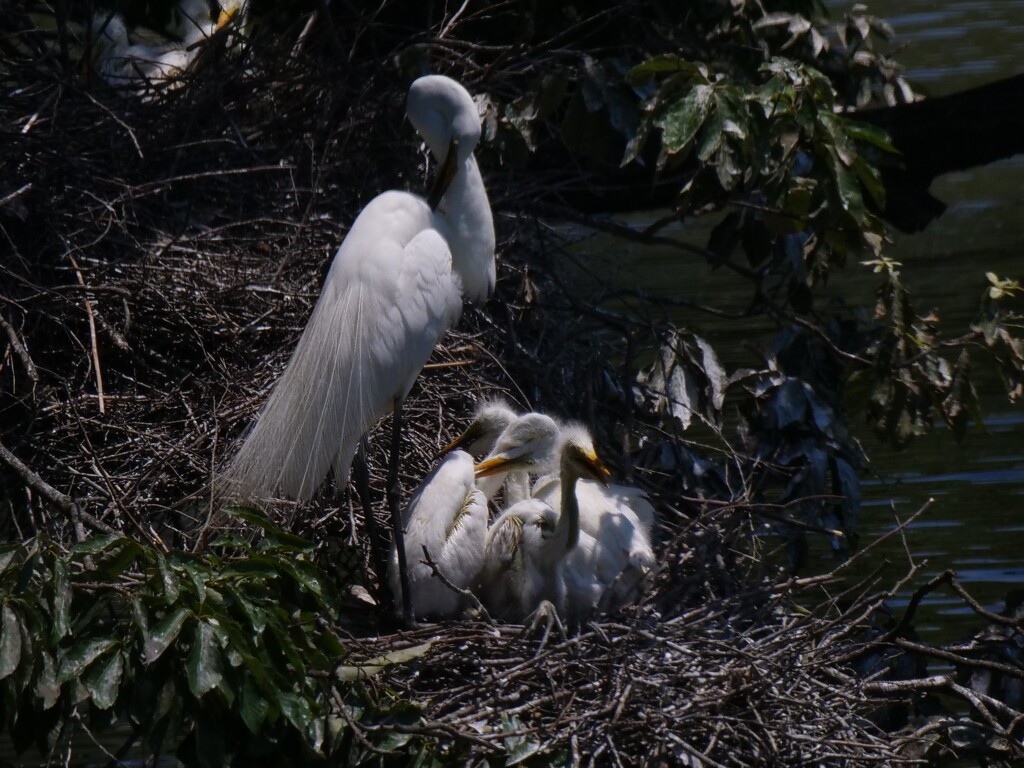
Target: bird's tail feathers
x=315 y=415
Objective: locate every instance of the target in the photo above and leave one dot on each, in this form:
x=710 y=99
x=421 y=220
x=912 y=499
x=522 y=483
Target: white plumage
x=531 y=548
x=522 y=564
x=137 y=66
x=613 y=554
x=448 y=515
x=395 y=286
x=619 y=519
x=490 y=419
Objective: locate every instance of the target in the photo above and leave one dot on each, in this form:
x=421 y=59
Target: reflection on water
x=952 y=45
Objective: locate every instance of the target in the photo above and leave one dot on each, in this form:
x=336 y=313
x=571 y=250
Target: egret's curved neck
x=569 y=520
x=491 y=484
x=466 y=213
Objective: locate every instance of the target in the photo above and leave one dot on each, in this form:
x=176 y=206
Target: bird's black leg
x=394 y=505
x=361 y=476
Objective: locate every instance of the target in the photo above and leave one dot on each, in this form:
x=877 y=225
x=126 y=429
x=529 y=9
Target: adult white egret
x=395 y=286
x=447 y=515
x=529 y=545
x=392 y=291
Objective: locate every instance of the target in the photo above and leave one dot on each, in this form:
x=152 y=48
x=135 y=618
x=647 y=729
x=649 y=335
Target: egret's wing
x=505 y=540
x=388 y=297
x=463 y=553
x=636 y=501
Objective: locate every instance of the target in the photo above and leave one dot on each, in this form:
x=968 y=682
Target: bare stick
x=92 y=335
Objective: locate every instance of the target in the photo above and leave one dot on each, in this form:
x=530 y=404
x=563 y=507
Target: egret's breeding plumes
x=447 y=516
x=395 y=286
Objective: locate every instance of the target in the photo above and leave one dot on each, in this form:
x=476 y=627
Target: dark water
x=976 y=523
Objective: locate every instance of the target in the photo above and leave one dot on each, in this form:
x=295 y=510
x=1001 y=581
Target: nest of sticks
x=163 y=256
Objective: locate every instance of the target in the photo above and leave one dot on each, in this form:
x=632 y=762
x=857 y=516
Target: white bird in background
x=447 y=515
x=528 y=547
x=394 y=288
x=136 y=66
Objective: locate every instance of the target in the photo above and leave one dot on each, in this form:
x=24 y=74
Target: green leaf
x=75 y=661
x=170 y=579
x=61 y=601
x=102 y=680
x=28 y=569
x=117 y=559
x=47 y=687
x=660 y=65
x=310 y=578
x=276 y=537
x=254 y=706
x=871 y=180
x=204 y=667
x=197 y=573
x=10 y=643
x=295 y=708
x=7 y=556
x=519 y=748
x=847 y=186
x=870 y=134
x=164 y=633
x=97 y=544
x=683 y=118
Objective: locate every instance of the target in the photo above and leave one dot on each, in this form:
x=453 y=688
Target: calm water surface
x=976 y=525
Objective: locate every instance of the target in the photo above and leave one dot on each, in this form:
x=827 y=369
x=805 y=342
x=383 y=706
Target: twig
x=92 y=336
x=466 y=593
x=20 y=350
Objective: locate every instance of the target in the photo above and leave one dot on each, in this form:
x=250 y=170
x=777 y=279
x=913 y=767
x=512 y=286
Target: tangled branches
x=163 y=257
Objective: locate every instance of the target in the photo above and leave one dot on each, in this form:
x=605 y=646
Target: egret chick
x=447 y=516
x=526 y=554
x=490 y=419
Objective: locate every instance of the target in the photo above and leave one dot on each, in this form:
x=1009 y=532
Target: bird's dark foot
x=547 y=614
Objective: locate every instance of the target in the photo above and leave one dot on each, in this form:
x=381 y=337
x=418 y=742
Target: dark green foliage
x=220 y=659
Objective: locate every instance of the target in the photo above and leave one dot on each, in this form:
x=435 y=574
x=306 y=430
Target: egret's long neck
x=491 y=484
x=517 y=486
x=569 y=519
x=470 y=229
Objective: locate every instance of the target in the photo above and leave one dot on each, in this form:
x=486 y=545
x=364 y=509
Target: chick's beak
x=492 y=466
x=224 y=17
x=471 y=433
x=596 y=468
